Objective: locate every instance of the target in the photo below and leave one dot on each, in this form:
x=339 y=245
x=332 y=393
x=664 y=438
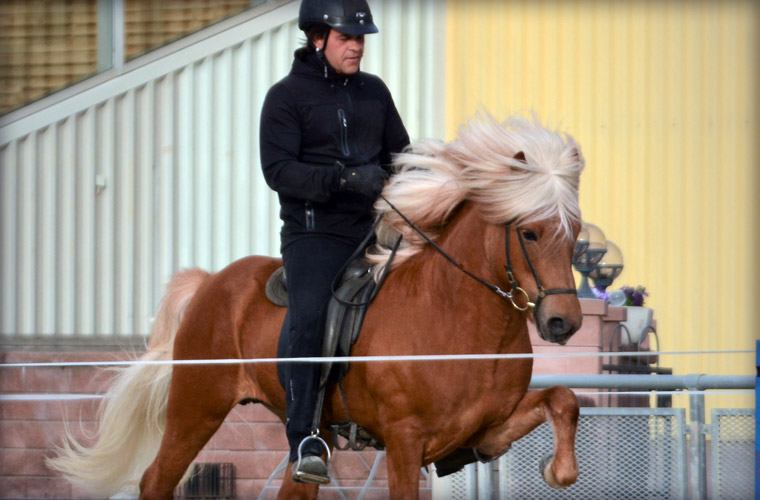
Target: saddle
x=345 y=311
x=343 y=322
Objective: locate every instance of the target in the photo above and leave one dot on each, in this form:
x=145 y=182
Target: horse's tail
x=132 y=417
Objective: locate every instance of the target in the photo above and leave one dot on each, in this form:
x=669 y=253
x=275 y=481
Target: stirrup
x=303 y=477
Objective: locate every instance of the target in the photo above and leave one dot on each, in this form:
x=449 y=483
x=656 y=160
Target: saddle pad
x=276 y=288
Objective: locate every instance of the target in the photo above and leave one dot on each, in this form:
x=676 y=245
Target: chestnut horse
x=512 y=184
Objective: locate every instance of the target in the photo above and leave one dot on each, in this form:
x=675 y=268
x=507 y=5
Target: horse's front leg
x=557 y=405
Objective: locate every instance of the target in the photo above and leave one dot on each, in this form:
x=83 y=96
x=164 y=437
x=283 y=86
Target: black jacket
x=309 y=121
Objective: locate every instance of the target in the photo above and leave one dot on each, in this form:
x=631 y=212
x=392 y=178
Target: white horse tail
x=132 y=417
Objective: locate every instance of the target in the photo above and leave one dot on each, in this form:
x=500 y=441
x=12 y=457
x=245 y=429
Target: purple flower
x=600 y=293
x=634 y=296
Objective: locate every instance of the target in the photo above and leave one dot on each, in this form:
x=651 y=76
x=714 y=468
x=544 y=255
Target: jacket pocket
x=343 y=124
x=309 y=212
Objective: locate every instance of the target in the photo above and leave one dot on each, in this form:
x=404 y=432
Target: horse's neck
x=465 y=239
x=470 y=241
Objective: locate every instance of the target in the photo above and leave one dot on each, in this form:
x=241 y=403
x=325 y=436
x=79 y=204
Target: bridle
x=515 y=289
x=542 y=292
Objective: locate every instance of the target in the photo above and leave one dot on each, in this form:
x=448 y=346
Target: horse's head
x=516 y=171
x=539 y=261
x=521 y=172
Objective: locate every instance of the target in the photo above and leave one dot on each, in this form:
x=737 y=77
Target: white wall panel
x=110 y=188
x=8 y=218
x=27 y=204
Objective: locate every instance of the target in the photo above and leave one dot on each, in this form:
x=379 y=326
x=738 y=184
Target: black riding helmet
x=352 y=17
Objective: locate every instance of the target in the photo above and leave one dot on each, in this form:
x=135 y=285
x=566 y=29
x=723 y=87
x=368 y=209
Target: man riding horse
x=328 y=131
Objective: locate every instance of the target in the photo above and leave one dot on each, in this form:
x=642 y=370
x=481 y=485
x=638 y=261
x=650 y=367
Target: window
x=48 y=44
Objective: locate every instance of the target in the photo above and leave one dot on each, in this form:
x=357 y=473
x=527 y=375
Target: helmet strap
x=321 y=51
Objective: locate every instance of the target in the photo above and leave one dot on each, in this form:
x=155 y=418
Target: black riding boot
x=311 y=263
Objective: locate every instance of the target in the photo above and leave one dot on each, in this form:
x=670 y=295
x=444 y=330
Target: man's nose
x=356 y=45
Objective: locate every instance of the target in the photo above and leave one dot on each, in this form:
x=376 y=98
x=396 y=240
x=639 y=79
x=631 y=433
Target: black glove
x=367 y=180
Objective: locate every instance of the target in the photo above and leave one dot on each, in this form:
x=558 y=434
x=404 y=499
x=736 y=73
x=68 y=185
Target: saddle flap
x=345 y=314
x=345 y=310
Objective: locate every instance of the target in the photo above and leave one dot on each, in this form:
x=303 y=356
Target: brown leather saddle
x=345 y=315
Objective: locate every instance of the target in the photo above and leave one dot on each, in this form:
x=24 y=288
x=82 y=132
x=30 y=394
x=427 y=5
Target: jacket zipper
x=309 y=216
x=343 y=123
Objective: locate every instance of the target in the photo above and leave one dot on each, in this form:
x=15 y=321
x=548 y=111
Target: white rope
x=367 y=359
x=49 y=397
x=76 y=397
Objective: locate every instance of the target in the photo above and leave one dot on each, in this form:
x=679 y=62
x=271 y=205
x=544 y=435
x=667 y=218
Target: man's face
x=343 y=52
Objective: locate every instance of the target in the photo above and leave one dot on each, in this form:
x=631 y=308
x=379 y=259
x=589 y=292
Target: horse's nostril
x=557 y=325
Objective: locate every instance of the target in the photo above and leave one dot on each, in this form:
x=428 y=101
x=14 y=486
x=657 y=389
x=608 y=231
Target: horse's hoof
x=545 y=468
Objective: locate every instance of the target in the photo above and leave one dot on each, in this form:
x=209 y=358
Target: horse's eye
x=530 y=235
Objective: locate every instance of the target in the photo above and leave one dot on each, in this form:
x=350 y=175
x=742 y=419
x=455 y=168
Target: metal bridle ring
x=528 y=303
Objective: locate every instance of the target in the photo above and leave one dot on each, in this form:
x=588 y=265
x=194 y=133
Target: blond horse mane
x=433 y=178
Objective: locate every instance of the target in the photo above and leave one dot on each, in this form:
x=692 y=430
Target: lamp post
x=609 y=267
x=590 y=247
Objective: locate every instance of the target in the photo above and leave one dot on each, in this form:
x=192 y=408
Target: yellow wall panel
x=662 y=97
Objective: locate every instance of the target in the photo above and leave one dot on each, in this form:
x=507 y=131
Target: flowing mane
x=433 y=178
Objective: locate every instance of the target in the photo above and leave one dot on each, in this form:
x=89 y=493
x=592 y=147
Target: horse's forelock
x=542 y=186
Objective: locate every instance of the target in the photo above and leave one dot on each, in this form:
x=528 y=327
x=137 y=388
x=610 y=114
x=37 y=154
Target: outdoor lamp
x=581 y=243
x=585 y=260
x=609 y=267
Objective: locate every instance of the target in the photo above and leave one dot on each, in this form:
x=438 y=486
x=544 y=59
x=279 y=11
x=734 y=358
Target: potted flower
x=639 y=318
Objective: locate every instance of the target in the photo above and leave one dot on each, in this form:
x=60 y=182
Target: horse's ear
x=520 y=156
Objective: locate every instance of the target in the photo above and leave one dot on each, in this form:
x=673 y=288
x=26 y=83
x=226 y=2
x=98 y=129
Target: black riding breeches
x=311 y=264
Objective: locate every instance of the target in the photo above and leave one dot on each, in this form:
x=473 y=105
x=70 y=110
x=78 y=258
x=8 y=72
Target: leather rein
x=515 y=289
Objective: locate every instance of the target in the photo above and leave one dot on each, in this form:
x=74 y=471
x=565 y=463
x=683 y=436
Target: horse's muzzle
x=557 y=329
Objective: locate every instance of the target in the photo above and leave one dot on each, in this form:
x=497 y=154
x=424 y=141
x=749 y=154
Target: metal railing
x=629 y=453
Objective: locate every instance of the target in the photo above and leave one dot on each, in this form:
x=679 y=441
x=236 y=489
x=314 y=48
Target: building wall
x=47 y=44
x=662 y=97
x=106 y=190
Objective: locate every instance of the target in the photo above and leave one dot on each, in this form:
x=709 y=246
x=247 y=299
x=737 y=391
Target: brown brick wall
x=149 y=23
x=44 y=45
x=252 y=438
x=47 y=44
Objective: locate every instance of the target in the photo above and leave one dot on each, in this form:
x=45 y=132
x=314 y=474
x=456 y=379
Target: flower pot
x=639 y=318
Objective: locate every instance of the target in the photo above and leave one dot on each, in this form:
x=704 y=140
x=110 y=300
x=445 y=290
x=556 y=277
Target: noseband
x=515 y=289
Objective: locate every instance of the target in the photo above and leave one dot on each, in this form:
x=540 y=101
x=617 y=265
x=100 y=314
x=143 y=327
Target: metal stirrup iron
x=314 y=436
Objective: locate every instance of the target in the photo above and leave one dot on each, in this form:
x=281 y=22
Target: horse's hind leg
x=557 y=405
x=199 y=400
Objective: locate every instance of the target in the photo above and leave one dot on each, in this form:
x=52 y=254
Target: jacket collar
x=310 y=64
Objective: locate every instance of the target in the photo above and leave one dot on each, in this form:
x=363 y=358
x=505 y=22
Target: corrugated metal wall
x=108 y=192
x=663 y=98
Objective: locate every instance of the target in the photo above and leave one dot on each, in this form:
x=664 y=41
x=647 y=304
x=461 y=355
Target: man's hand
x=367 y=180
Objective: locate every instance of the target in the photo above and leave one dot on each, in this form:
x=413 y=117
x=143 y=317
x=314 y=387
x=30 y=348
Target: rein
x=516 y=290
